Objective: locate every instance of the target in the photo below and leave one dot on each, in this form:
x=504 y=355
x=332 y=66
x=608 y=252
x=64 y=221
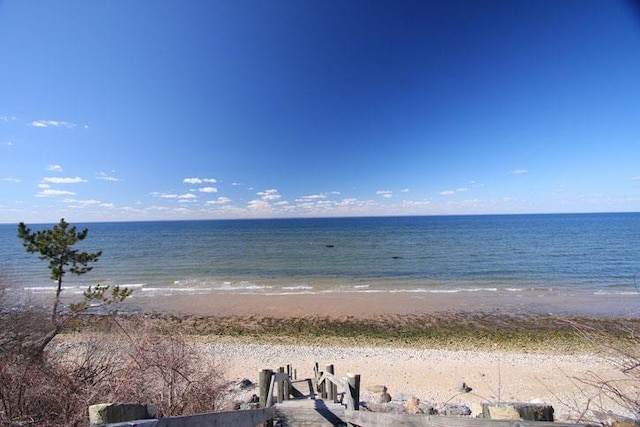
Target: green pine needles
x=56 y=246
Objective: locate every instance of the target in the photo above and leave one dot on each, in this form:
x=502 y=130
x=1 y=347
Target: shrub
x=145 y=364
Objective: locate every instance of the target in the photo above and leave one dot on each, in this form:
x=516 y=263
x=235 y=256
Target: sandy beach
x=369 y=305
x=434 y=375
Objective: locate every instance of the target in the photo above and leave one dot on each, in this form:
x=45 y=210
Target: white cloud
x=13 y=180
x=271 y=194
x=451 y=192
x=103 y=176
x=88 y=203
x=85 y=202
x=219 y=201
x=7 y=119
x=208 y=190
x=387 y=194
x=348 y=201
x=312 y=197
x=9 y=144
x=54 y=168
x=405 y=190
x=259 y=205
x=635 y=178
x=48 y=192
x=268 y=199
x=186 y=196
x=199 y=180
x=51 y=123
x=519 y=172
x=56 y=180
x=416 y=203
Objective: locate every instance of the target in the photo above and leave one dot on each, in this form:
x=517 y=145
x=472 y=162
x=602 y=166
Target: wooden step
x=308 y=413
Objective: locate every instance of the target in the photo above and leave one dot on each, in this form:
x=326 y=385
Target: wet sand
x=364 y=305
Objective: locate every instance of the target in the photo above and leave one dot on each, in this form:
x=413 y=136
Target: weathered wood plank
x=379 y=419
x=331 y=378
x=248 y=418
x=309 y=413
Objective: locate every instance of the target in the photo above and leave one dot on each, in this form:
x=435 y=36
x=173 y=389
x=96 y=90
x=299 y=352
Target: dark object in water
x=396 y=257
x=328 y=246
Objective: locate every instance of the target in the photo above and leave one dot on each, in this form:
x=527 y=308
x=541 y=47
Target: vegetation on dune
x=146 y=362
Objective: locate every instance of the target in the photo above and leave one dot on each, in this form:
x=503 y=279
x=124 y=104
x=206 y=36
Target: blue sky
x=144 y=110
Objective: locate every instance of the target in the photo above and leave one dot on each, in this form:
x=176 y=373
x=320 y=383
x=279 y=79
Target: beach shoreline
x=367 y=305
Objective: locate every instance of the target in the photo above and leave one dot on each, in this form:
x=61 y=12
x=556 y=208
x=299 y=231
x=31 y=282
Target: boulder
x=383 y=397
x=245 y=384
x=413 y=406
x=503 y=413
x=457 y=410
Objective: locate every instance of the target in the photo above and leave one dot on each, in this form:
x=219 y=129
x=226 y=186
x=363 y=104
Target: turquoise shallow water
x=594 y=254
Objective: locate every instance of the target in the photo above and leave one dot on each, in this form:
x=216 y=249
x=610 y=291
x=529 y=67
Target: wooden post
x=317 y=375
x=353 y=381
x=323 y=387
x=264 y=382
x=331 y=387
x=289 y=390
x=281 y=393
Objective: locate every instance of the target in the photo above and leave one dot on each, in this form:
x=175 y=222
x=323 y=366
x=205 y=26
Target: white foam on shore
x=194 y=290
x=298 y=288
x=616 y=293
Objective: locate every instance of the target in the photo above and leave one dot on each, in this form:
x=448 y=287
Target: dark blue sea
x=520 y=255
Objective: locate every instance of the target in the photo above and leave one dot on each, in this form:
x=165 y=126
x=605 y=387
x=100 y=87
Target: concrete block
x=105 y=413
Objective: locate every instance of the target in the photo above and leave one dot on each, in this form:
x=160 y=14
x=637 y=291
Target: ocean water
x=594 y=254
